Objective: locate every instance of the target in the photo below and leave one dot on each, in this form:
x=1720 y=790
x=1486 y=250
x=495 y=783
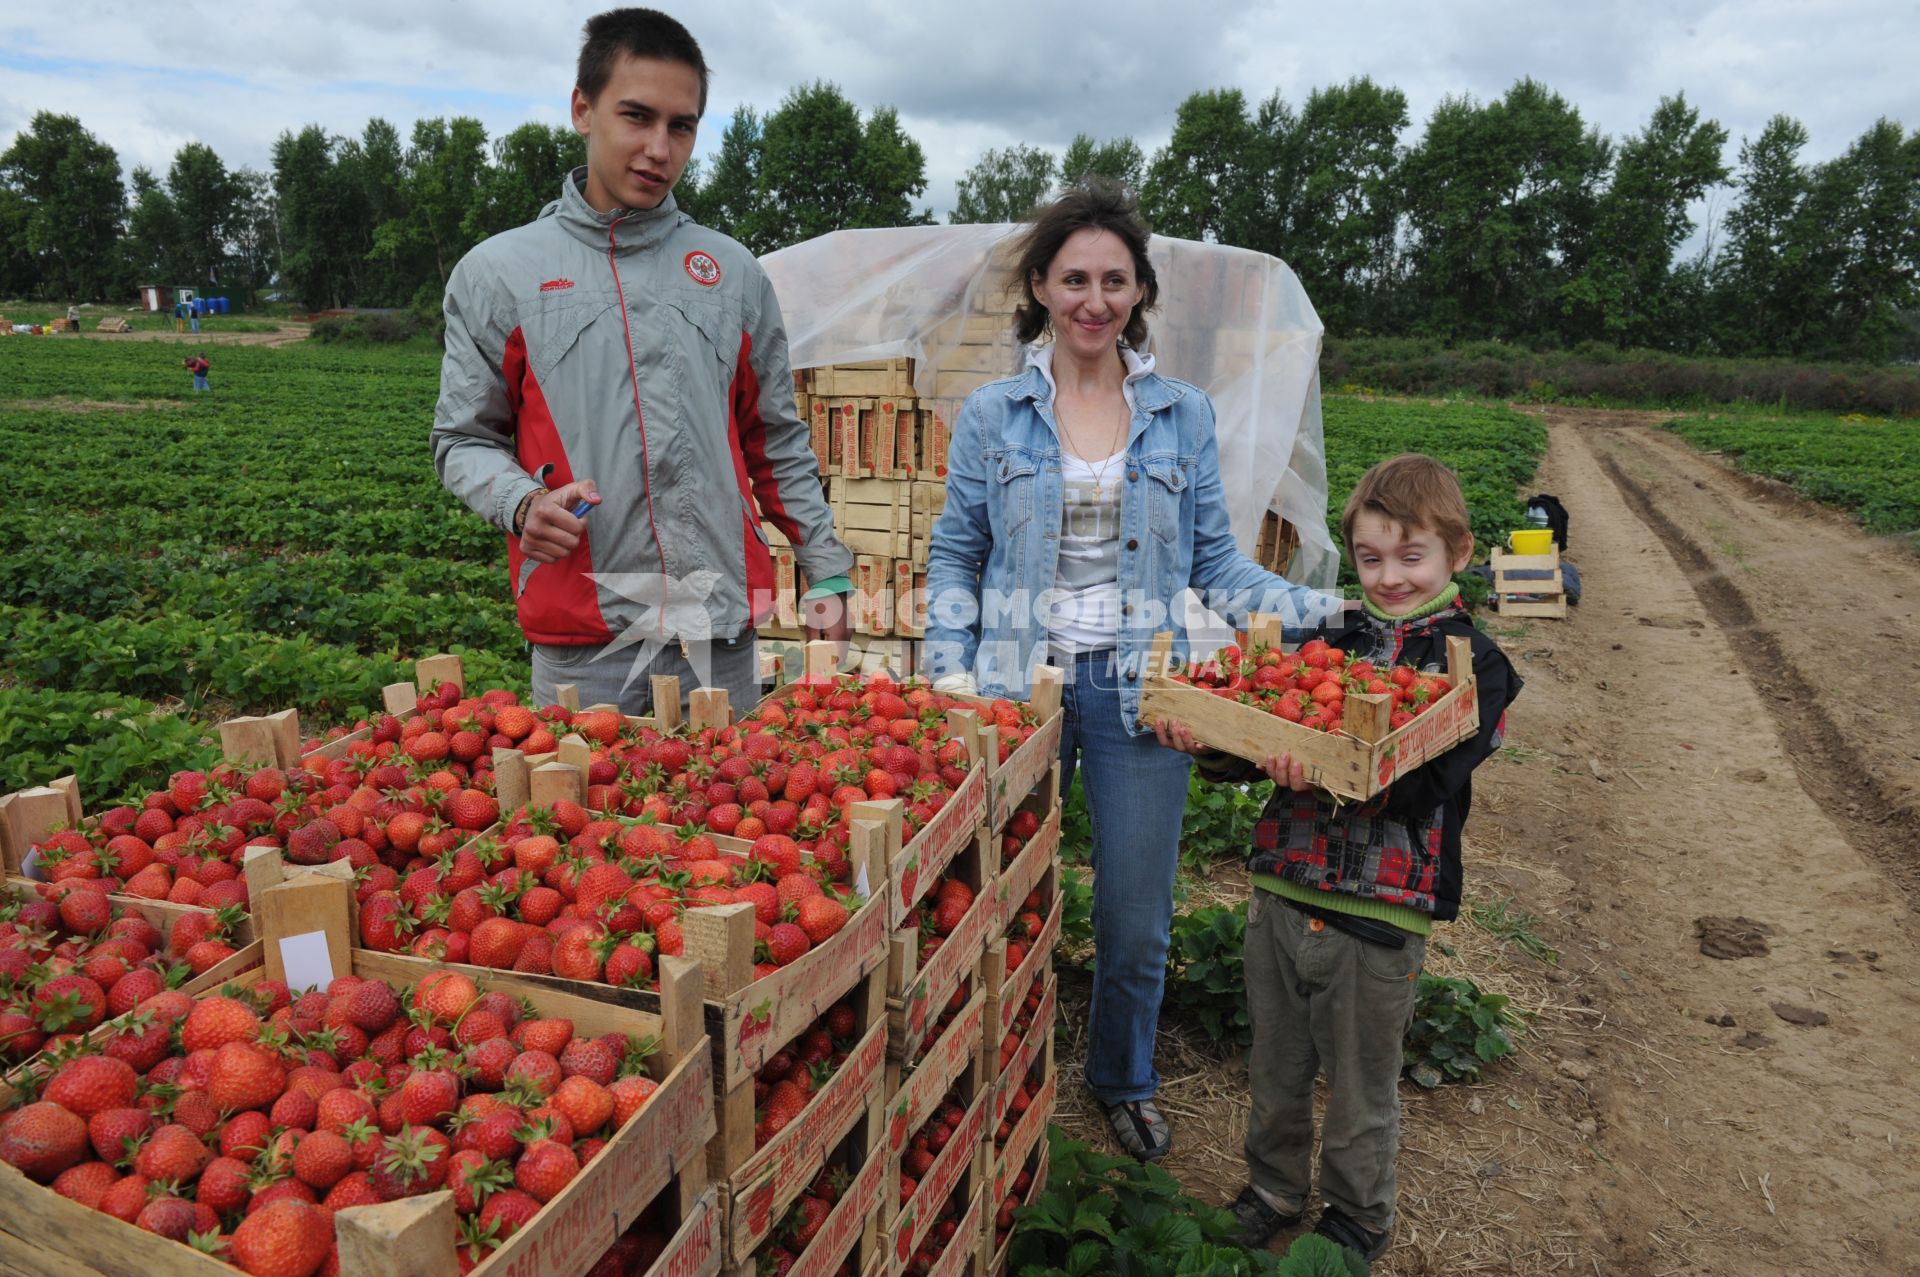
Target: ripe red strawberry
x=508 y=1211
x=224 y=1185
x=42 y=1139
x=72 y=1003
x=286 y=1238
x=497 y=942
x=544 y=1169
x=217 y=1020
x=428 y=1097
x=86 y=1183
x=85 y=912
x=410 y=1162
x=470 y=809
x=245 y=1076
x=92 y=1084
x=245 y=1135
x=786 y=943
x=174 y=1153
x=322 y=1159
x=630 y=1095
x=821 y=917
x=586 y=1103
x=115 y=1132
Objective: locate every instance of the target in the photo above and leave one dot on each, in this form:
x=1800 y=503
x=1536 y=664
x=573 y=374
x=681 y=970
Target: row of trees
x=1509 y=219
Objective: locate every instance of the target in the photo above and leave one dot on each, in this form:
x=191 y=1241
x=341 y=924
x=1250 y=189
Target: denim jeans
x=1136 y=795
x=200 y=381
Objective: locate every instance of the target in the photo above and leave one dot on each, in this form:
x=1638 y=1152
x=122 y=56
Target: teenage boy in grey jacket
x=616 y=398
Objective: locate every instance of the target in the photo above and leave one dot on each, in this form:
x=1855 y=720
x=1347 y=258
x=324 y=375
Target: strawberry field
x=1868 y=466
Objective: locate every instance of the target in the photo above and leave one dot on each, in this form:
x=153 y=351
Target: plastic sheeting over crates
x=1233 y=321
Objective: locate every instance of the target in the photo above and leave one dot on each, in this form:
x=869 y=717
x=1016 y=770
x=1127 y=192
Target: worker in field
x=197 y=364
x=616 y=398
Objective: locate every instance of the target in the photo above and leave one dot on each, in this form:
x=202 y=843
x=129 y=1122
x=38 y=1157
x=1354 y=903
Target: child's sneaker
x=1259 y=1222
x=1337 y=1226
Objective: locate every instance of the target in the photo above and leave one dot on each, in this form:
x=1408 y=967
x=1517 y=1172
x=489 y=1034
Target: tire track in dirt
x=1834 y=772
x=1660 y=791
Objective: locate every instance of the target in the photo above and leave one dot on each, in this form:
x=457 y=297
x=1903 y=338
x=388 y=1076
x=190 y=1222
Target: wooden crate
x=1357 y=762
x=1008 y=987
x=1031 y=867
x=852 y=1231
x=1030 y=1042
x=659 y=1148
x=994 y=1258
x=961 y=1165
x=915 y=1089
x=961 y=1258
x=1520 y=596
x=916 y=992
x=1010 y=782
x=874 y=377
x=757 y=1187
x=1024 y=1130
x=1275 y=544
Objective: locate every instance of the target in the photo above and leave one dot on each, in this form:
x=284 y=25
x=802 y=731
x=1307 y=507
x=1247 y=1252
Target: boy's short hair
x=638 y=33
x=1413 y=491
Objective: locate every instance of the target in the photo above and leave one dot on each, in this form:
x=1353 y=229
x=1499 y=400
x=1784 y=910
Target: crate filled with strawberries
x=71 y=957
x=830 y=1228
x=1021 y=1106
x=1355 y=726
x=816 y=1100
x=893 y=740
x=1004 y=1197
x=1026 y=742
x=402 y=1111
x=935 y=960
x=945 y=1245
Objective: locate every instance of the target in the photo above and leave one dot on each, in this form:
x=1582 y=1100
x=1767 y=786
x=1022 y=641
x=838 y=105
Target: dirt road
x=1722 y=729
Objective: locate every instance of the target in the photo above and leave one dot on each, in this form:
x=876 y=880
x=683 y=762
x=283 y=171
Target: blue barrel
x=226 y=305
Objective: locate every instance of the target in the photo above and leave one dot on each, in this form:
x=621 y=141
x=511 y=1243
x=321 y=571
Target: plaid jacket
x=1403 y=846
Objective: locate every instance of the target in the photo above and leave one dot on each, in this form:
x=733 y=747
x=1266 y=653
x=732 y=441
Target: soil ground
x=1723 y=728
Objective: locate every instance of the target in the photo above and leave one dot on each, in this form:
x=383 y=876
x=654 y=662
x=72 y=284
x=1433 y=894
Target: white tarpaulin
x=1235 y=322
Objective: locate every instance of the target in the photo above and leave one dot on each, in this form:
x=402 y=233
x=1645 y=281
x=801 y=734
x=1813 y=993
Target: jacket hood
x=628 y=227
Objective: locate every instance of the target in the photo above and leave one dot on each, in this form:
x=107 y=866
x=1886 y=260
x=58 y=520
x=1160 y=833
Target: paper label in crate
x=847 y=1222
x=885 y=418
x=848 y=443
x=906 y=445
x=802 y=991
x=1029 y=1049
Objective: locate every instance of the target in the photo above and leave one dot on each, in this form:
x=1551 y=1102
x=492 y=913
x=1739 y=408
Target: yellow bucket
x=1532 y=541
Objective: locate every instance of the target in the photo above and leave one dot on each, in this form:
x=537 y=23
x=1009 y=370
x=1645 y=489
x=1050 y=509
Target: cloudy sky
x=148 y=77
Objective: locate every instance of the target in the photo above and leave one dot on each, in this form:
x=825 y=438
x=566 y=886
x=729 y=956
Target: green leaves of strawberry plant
x=1457 y=1030
x=1113 y=1215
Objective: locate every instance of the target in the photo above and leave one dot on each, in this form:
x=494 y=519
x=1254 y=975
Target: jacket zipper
x=633 y=376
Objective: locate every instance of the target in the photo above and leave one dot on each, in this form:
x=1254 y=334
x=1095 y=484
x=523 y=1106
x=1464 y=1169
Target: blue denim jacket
x=995 y=547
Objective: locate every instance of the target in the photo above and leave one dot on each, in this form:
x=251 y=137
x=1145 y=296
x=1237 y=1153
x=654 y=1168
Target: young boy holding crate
x=1345 y=894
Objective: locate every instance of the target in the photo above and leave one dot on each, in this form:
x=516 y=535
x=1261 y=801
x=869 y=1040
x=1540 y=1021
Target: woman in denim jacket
x=1083 y=497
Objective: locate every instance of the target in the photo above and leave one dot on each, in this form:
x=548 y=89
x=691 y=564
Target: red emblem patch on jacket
x=703 y=269
x=555 y=285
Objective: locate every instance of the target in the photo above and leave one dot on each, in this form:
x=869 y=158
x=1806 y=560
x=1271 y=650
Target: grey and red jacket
x=645 y=352
x=1403 y=846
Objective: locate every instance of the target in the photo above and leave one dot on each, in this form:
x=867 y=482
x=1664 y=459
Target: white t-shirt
x=1085 y=615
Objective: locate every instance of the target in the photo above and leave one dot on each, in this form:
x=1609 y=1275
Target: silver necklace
x=1100 y=475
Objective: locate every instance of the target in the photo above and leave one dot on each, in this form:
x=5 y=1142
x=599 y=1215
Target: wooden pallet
x=1519 y=596
x=1357 y=762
